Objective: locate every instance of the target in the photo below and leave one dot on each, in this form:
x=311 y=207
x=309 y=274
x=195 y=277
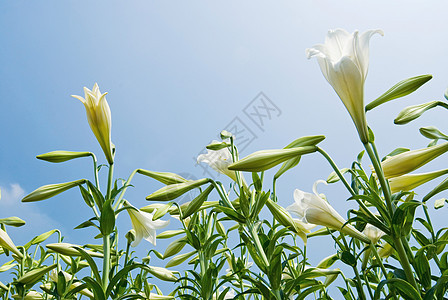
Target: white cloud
x=12 y=195
x=37 y=221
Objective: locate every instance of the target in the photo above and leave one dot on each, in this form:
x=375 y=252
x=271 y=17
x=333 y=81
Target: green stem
x=95 y=171
x=106 y=238
x=346 y=184
x=336 y=169
x=359 y=284
x=126 y=185
x=404 y=261
x=380 y=175
x=58 y=268
x=257 y=244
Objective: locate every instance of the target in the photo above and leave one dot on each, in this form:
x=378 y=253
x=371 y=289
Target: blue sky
x=178 y=72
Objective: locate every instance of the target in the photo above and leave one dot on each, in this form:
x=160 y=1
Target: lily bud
x=266 y=159
x=31 y=295
x=283 y=217
x=130 y=236
x=173 y=191
x=51 y=190
x=162 y=273
x=409 y=161
x=6 y=242
x=70 y=250
x=61 y=156
x=344 y=61
x=413 y=112
x=409 y=182
x=164 y=177
x=33 y=276
x=99 y=118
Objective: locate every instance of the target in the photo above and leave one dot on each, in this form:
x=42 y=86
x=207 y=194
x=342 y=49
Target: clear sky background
x=178 y=72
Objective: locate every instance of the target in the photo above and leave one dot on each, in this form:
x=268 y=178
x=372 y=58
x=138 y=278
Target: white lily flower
x=145 y=227
x=99 y=117
x=219 y=160
x=374 y=234
x=311 y=208
x=7 y=243
x=344 y=61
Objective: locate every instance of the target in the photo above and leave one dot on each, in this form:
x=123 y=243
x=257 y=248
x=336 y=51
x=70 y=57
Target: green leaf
x=160 y=212
x=421 y=267
x=88 y=199
x=300 y=142
x=91 y=262
x=401 y=89
x=347 y=258
x=439 y=188
x=97 y=196
x=197 y=202
x=405 y=289
x=107 y=218
x=96 y=287
x=40 y=238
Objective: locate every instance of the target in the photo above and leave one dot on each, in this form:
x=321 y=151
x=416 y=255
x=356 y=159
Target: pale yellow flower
x=344 y=61
x=99 y=117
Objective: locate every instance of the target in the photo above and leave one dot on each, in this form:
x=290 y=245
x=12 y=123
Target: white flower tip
x=298 y=195
x=311 y=52
x=315 y=186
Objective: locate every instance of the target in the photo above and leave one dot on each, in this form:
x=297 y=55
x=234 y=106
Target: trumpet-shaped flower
x=143 y=224
x=99 y=117
x=344 y=61
x=409 y=161
x=7 y=243
x=311 y=208
x=409 y=182
x=219 y=160
x=374 y=234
